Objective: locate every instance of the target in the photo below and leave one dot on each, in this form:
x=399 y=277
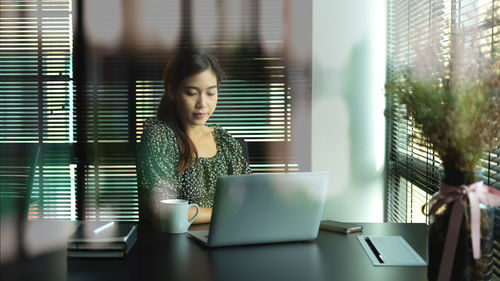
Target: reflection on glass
x=205 y=27
x=104 y=22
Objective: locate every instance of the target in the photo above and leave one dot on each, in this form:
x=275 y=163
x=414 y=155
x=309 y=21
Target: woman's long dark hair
x=181 y=66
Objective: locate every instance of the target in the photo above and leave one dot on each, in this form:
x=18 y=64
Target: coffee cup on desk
x=174 y=215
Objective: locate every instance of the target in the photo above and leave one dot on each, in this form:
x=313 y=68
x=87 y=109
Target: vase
x=465 y=267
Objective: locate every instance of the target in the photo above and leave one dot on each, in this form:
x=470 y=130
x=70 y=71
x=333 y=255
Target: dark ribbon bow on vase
x=477 y=193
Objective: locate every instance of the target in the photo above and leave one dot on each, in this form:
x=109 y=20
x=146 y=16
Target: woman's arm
x=203 y=217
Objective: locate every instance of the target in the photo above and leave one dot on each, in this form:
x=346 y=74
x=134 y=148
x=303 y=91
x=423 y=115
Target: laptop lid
x=267 y=208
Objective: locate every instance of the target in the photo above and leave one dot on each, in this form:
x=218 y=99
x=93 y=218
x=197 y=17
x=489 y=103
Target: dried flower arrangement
x=453 y=94
x=455 y=101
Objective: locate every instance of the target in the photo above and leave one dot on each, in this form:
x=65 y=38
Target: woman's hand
x=203 y=217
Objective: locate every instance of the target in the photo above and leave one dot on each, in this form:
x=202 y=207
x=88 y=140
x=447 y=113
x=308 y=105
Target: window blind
x=36 y=100
x=413 y=169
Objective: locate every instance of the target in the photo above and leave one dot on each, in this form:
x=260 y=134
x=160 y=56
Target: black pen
x=374 y=250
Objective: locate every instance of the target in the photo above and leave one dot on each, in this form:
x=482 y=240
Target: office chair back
x=244 y=146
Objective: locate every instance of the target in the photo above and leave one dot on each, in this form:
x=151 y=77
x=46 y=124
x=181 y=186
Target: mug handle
x=195 y=215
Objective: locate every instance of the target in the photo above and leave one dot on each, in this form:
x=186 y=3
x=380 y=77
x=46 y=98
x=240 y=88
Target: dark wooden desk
x=158 y=256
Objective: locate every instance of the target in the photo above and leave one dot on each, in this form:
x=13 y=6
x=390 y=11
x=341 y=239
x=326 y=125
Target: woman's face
x=196 y=98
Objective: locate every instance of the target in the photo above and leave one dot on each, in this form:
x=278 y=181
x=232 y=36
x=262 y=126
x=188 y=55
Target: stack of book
x=102 y=240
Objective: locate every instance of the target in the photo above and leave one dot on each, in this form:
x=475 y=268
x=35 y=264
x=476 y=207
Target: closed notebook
x=343 y=227
x=105 y=252
x=96 y=254
x=102 y=239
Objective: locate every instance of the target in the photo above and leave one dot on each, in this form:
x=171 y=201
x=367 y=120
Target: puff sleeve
x=157 y=161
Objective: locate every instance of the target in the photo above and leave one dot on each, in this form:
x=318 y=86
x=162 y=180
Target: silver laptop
x=266 y=208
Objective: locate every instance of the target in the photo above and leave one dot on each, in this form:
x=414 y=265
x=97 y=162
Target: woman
x=179 y=155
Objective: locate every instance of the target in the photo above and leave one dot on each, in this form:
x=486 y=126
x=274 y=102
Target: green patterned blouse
x=158 y=157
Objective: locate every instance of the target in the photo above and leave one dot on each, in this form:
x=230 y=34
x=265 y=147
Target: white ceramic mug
x=174 y=215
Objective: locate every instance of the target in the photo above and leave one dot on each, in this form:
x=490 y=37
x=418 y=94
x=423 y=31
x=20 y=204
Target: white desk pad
x=393 y=250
